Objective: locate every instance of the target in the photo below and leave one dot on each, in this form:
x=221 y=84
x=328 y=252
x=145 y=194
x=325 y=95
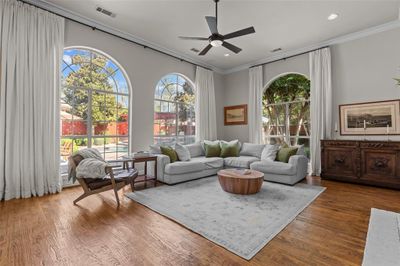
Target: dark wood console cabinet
x=374 y=163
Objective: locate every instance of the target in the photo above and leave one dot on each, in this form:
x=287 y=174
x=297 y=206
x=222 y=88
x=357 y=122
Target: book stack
x=141 y=154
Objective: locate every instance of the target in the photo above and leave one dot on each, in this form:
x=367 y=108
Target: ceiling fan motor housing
x=216 y=40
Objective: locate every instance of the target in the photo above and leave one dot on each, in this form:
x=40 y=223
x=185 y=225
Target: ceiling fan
x=216 y=39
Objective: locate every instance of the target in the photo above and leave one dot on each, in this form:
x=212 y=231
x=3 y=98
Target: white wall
x=236 y=92
x=237 y=89
x=144 y=68
x=298 y=64
x=363 y=71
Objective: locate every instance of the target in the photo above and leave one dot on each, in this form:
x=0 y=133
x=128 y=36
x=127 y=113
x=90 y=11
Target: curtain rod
x=115 y=35
x=309 y=51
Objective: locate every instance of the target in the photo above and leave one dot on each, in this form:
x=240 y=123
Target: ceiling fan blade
x=205 y=50
x=193 y=38
x=231 y=47
x=238 y=33
x=212 y=24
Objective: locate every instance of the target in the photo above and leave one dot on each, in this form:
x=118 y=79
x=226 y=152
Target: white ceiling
x=286 y=24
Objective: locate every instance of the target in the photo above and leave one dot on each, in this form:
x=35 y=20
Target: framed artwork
x=235 y=115
x=370 y=118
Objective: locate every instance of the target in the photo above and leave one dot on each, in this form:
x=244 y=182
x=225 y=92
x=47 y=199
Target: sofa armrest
x=301 y=164
x=162 y=161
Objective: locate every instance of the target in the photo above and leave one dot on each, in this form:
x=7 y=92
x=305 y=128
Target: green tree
x=92 y=75
x=186 y=109
x=288 y=88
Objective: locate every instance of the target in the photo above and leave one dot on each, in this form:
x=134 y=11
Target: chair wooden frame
x=115 y=186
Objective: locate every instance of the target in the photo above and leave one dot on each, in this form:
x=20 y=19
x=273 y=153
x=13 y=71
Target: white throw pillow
x=269 y=152
x=155 y=149
x=251 y=149
x=195 y=149
x=182 y=152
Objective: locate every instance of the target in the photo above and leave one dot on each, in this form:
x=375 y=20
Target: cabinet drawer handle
x=380 y=164
x=339 y=161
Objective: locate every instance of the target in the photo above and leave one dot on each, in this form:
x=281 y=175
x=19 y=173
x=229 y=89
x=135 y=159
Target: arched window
x=174 y=113
x=286 y=110
x=94 y=104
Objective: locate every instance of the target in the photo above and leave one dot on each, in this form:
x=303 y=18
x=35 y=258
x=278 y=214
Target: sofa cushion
x=240 y=162
x=155 y=148
x=184 y=167
x=236 y=141
x=182 y=152
x=209 y=162
x=274 y=167
x=284 y=154
x=250 y=149
x=212 y=148
x=269 y=152
x=195 y=149
x=300 y=150
x=229 y=149
x=170 y=152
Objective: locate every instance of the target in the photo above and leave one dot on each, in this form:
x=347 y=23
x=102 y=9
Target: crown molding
x=278 y=56
x=341 y=39
x=98 y=25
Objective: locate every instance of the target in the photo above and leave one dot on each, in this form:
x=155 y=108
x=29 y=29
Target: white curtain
x=321 y=104
x=206 y=117
x=255 y=104
x=31 y=52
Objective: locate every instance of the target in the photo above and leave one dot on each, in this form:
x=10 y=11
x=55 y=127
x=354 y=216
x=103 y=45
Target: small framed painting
x=371 y=118
x=235 y=115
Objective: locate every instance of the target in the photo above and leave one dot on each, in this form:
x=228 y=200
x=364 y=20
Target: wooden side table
x=145 y=177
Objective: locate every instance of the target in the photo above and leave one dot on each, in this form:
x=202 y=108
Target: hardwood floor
x=52 y=231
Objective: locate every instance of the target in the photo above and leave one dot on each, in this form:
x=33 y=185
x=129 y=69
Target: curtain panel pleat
x=255 y=104
x=321 y=104
x=206 y=117
x=32 y=42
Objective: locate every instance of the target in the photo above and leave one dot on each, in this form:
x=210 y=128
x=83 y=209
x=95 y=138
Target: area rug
x=383 y=239
x=241 y=224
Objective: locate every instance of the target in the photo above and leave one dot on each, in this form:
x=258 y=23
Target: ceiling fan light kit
x=216 y=43
x=216 y=39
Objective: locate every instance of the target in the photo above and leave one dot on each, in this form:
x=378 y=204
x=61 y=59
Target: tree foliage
x=186 y=97
x=293 y=89
x=94 y=75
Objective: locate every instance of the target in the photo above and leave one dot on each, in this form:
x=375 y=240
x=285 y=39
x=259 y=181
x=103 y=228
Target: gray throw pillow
x=183 y=152
x=300 y=149
x=195 y=149
x=269 y=152
x=251 y=149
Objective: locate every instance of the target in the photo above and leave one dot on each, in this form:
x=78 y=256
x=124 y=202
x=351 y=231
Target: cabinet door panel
x=379 y=165
x=341 y=162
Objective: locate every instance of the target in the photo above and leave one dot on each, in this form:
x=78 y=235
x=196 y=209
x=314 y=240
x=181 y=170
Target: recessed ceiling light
x=226 y=55
x=333 y=16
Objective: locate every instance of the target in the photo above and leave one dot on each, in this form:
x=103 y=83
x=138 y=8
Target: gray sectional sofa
x=249 y=157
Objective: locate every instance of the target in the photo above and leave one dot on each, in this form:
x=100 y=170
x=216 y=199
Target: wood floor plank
x=52 y=231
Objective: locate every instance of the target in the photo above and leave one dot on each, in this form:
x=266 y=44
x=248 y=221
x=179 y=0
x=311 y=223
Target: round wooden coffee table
x=242 y=182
